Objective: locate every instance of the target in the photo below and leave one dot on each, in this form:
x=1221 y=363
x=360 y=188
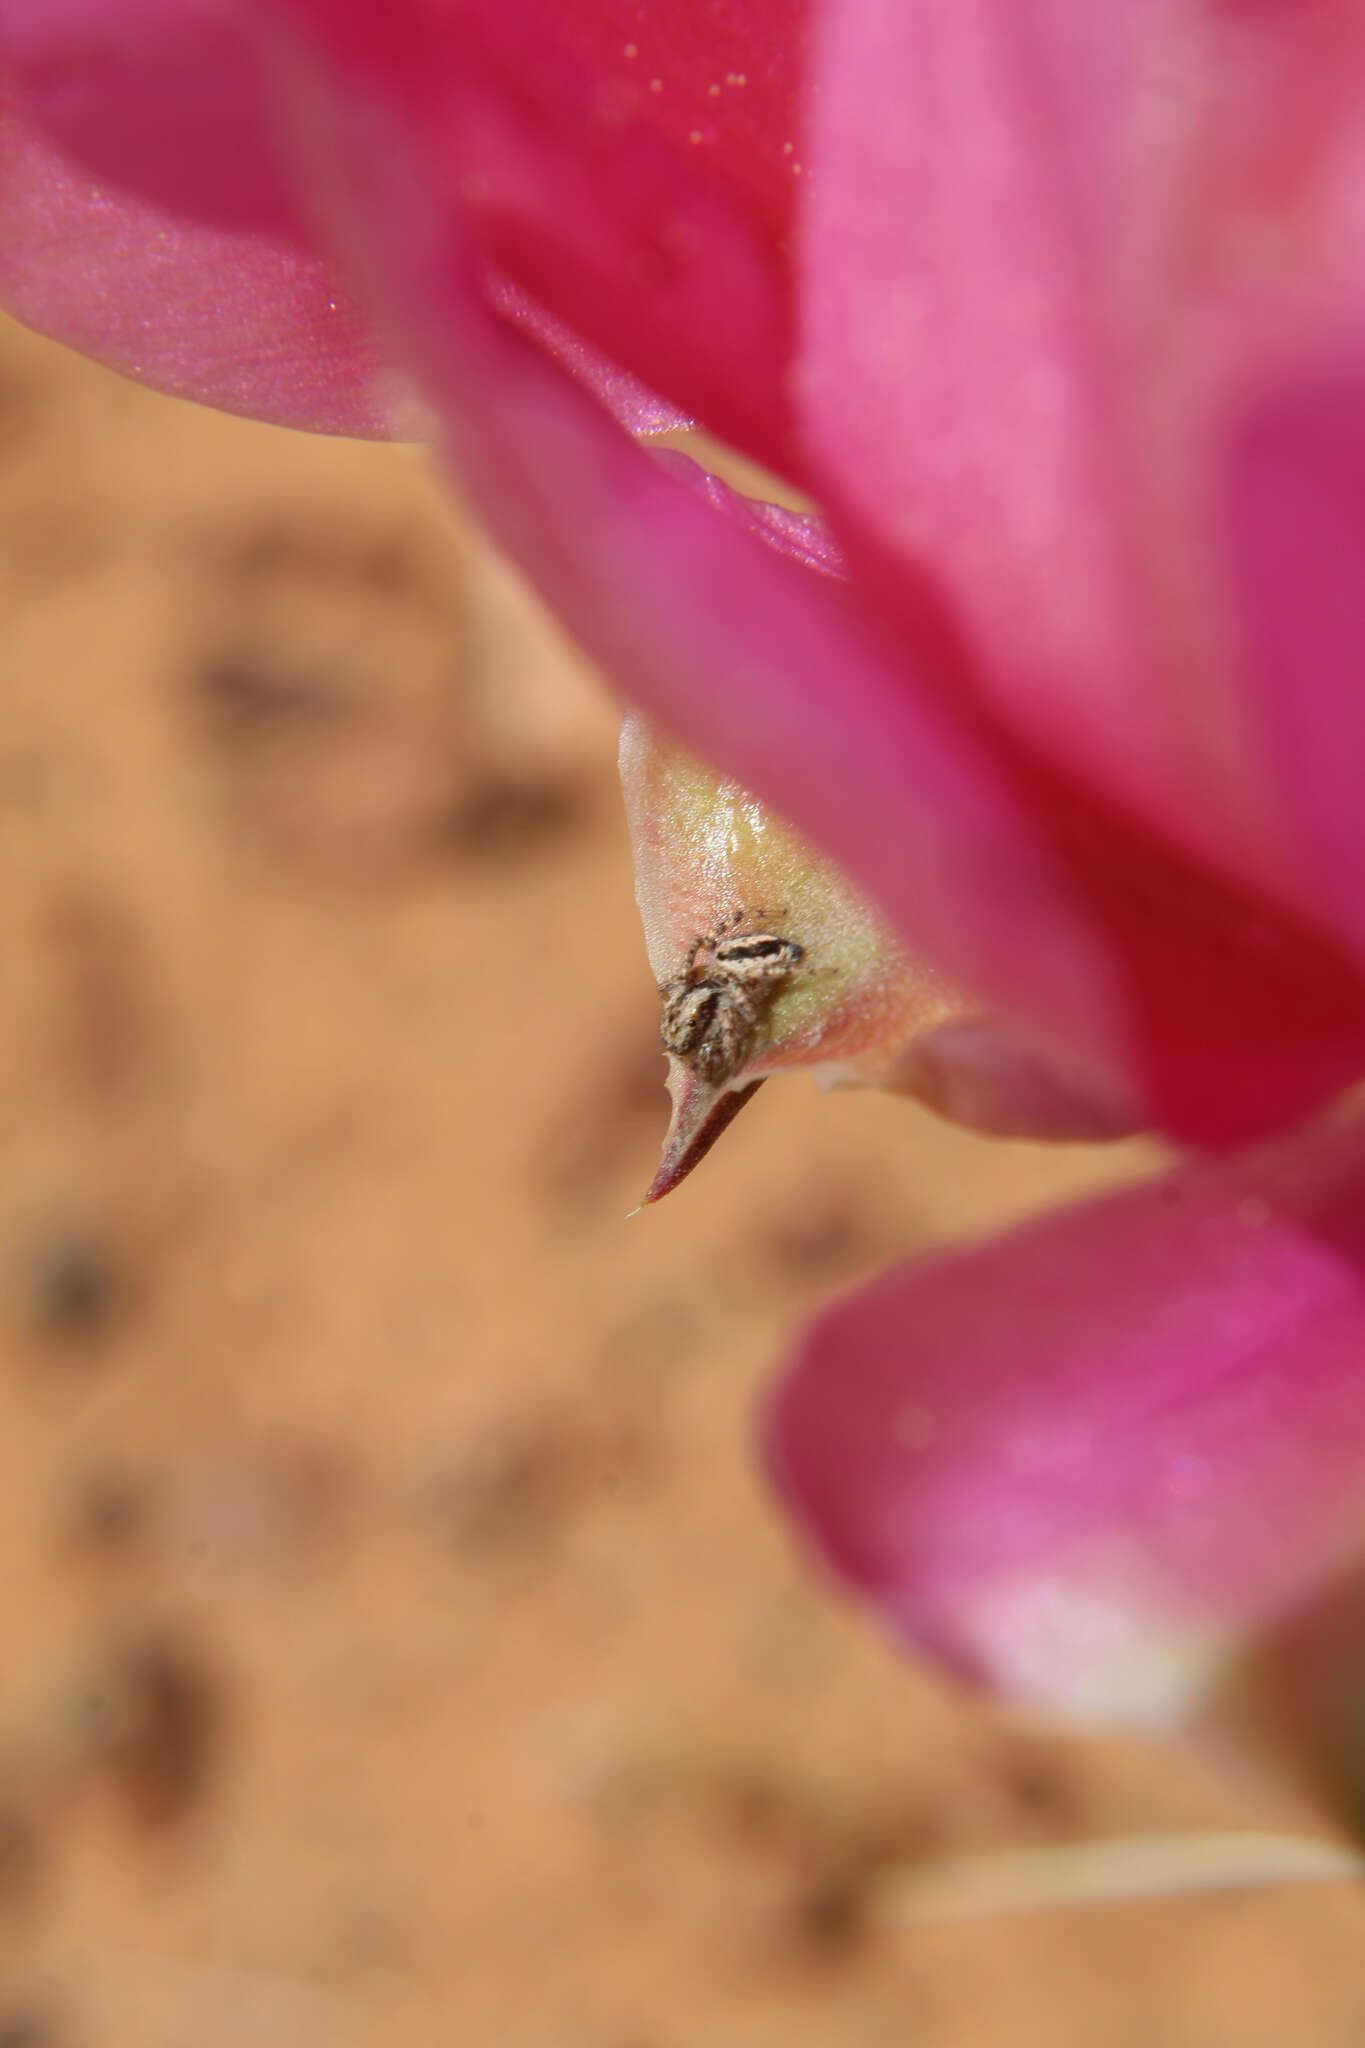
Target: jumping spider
x=715 y=1005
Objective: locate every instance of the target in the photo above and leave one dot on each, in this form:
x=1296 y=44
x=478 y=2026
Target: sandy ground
x=400 y=1646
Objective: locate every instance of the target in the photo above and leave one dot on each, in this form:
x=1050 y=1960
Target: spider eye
x=758 y=949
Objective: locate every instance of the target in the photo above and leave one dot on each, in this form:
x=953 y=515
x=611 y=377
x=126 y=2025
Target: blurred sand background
x=399 y=1643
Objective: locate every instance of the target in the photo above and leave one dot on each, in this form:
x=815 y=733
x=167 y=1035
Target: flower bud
x=768 y=957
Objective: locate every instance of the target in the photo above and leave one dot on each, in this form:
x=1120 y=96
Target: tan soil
x=400 y=1645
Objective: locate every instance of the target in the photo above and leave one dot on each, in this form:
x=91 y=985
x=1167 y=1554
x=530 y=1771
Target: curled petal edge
x=1159 y=985
x=1084 y=1463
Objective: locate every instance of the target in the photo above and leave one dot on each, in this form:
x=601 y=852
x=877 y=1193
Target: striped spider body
x=716 y=1005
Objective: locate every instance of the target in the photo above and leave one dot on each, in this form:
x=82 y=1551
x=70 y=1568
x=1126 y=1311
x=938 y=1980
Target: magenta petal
x=146 y=218
x=614 y=188
x=1005 y=444
x=800 y=536
x=1082 y=1462
x=1044 y=242
x=966 y=212
x=1293 y=514
x=1160 y=985
x=162 y=98
x=979 y=1072
x=639 y=410
x=226 y=315
x=752 y=654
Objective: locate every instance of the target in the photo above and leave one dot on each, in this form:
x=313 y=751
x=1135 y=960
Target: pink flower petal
x=639 y=410
x=1043 y=242
x=1083 y=1461
x=1222 y=1016
x=146 y=220
x=162 y=98
x=1011 y=441
x=956 y=381
x=1161 y=986
x=801 y=536
x=1276 y=307
x=225 y=315
x=980 y=1072
x=592 y=164
x=1293 y=504
x=773 y=673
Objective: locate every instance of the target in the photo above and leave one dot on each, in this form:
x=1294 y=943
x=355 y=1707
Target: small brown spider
x=714 y=1007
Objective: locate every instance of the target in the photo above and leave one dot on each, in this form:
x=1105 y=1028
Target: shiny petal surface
x=590 y=161
x=1293 y=505
x=638 y=409
x=1215 y=1010
x=956 y=377
x=1082 y=1462
x=164 y=99
x=1273 y=311
x=146 y=219
x=982 y=1072
x=227 y=315
x=1052 y=252
x=1195 y=1002
x=775 y=673
x=1019 y=265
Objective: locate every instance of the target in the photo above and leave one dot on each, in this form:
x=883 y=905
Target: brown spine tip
x=701 y=1111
